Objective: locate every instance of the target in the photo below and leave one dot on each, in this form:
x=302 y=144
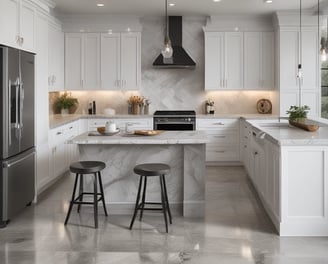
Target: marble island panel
x=183 y=151
x=166 y=137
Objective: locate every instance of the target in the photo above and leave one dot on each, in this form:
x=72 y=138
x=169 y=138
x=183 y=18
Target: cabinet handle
x=245 y=146
x=219 y=124
x=71 y=127
x=53 y=79
x=219 y=136
x=18 y=40
x=220 y=151
x=255 y=153
x=21 y=41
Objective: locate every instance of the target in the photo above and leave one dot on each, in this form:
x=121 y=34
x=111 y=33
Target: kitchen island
x=183 y=151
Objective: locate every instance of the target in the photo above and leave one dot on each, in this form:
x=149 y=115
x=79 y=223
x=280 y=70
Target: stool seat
x=85 y=167
x=152 y=169
x=80 y=169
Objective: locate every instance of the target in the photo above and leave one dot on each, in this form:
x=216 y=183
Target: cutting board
x=148 y=132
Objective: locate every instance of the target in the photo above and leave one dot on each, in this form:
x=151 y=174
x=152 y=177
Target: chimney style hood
x=180 y=58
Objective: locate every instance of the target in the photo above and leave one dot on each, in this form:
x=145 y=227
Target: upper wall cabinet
x=120 y=61
x=102 y=61
x=223 y=60
x=82 y=61
x=17 y=24
x=258 y=60
x=56 y=57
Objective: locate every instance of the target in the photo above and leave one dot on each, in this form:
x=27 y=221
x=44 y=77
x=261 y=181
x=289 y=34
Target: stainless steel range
x=175 y=120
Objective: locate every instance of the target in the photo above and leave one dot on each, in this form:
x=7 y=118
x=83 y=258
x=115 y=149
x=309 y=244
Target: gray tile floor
x=235 y=230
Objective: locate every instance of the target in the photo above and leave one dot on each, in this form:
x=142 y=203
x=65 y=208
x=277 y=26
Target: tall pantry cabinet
x=292 y=89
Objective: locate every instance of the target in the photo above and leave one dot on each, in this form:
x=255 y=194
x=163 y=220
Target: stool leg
x=137 y=203
x=102 y=193
x=95 y=200
x=163 y=202
x=143 y=197
x=80 y=192
x=72 y=199
x=167 y=200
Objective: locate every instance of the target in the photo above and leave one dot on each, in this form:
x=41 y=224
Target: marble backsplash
x=173 y=88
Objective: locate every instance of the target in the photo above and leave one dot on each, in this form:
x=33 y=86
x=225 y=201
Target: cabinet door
x=130 y=61
x=234 y=60
x=56 y=58
x=91 y=63
x=252 y=62
x=73 y=61
x=9 y=22
x=110 y=61
x=41 y=69
x=214 y=60
x=310 y=60
x=267 y=60
x=288 y=60
x=27 y=26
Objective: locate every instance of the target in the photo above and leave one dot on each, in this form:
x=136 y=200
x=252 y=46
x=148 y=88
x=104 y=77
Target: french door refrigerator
x=17 y=178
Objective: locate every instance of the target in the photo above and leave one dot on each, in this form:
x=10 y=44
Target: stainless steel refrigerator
x=17 y=179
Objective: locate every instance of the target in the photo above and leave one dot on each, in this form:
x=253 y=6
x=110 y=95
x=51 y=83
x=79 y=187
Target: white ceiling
x=182 y=7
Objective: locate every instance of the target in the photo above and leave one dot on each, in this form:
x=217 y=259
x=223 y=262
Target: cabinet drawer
x=222 y=153
x=230 y=123
x=223 y=137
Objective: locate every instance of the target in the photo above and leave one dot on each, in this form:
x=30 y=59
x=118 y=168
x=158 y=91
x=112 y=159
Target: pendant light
x=324 y=46
x=167 y=52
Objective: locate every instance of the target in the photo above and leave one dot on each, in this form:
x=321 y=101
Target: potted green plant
x=65 y=102
x=298 y=113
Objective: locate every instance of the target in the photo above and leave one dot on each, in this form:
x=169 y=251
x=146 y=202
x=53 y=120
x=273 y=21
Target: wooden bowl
x=101 y=130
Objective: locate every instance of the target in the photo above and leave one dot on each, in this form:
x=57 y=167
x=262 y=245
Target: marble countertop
x=59 y=120
x=167 y=137
x=284 y=134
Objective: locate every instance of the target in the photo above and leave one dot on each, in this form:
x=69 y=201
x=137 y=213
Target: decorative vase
x=135 y=109
x=64 y=111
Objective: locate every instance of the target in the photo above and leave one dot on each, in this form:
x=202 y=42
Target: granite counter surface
x=165 y=138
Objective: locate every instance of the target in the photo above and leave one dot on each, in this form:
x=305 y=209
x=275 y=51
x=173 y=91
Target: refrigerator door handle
x=9 y=114
x=8 y=164
x=21 y=105
x=16 y=98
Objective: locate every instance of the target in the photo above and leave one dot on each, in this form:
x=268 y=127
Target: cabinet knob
x=256 y=153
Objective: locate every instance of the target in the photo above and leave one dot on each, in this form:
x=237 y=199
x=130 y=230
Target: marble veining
x=166 y=137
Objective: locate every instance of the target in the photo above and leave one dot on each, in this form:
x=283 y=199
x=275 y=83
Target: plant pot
x=64 y=111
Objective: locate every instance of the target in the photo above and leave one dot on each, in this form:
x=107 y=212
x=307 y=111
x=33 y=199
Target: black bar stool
x=87 y=167
x=150 y=170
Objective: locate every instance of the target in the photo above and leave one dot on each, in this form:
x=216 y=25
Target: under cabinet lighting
x=171 y=4
x=268 y=1
x=216 y=1
x=100 y=5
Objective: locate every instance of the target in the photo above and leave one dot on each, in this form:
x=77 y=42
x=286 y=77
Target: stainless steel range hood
x=180 y=58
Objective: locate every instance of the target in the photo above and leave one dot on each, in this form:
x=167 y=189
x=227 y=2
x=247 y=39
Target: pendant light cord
x=300 y=59
x=166 y=22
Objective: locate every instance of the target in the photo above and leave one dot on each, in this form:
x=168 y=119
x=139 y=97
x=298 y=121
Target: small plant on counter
x=65 y=102
x=298 y=113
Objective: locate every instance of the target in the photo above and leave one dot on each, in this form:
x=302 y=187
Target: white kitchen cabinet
x=223 y=135
x=17 y=24
x=42 y=105
x=82 y=61
x=289 y=84
x=56 y=57
x=223 y=60
x=120 y=61
x=258 y=60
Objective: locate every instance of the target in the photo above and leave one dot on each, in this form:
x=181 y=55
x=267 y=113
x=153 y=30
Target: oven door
x=177 y=126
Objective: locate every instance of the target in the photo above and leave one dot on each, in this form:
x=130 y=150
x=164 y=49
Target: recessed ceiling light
x=268 y=1
x=171 y=4
x=216 y=1
x=100 y=5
